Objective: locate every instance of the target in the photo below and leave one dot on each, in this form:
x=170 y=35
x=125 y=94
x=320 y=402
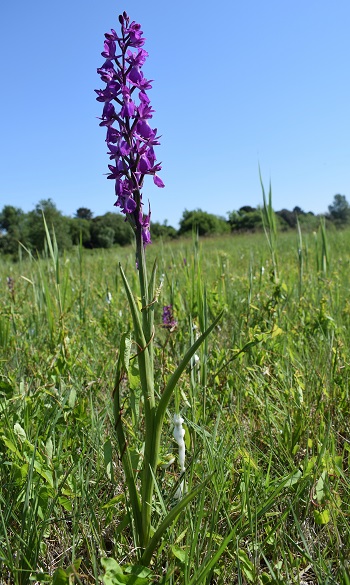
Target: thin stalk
x=300 y=257
x=151 y=450
x=270 y=228
x=324 y=254
x=142 y=271
x=147 y=386
x=125 y=457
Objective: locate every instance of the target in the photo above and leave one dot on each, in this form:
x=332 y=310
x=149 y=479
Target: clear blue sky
x=236 y=84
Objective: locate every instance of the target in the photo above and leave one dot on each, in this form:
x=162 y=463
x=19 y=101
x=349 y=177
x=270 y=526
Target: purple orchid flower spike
x=126 y=115
x=168 y=318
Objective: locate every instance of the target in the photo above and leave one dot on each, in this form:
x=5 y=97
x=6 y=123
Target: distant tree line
x=249 y=219
x=105 y=231
x=102 y=231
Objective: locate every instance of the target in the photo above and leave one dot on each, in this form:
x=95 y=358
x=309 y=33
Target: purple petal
x=118 y=186
x=107 y=71
x=146 y=237
x=158 y=181
x=112 y=35
x=144 y=164
x=144 y=129
x=144 y=97
x=110 y=47
x=129 y=205
x=135 y=75
x=113 y=135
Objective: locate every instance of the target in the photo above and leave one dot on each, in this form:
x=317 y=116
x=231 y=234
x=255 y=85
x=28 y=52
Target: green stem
x=142 y=270
x=126 y=461
x=151 y=451
x=147 y=386
x=153 y=416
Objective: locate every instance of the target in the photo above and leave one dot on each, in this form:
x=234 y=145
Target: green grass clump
x=266 y=408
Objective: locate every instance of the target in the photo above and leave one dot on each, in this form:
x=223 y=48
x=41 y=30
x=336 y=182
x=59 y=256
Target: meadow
x=265 y=402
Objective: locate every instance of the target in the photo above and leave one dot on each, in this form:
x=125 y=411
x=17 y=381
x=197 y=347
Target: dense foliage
x=105 y=231
x=202 y=222
x=29 y=229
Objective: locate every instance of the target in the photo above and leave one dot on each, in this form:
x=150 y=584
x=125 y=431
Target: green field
x=266 y=408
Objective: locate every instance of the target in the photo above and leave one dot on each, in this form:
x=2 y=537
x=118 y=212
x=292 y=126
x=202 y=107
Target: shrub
x=203 y=222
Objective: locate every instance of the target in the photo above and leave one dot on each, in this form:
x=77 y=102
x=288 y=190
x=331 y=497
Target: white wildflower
x=196 y=361
x=195 y=331
x=178 y=434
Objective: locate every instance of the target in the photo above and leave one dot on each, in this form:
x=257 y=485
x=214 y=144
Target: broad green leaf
x=11 y=447
x=138 y=570
x=19 y=473
x=114 y=574
x=319 y=489
x=45 y=473
x=276 y=331
x=111 y=566
x=41 y=578
x=73 y=569
x=322 y=517
x=179 y=553
x=66 y=503
x=111 y=503
x=294 y=479
x=44 y=496
x=60 y=577
x=134 y=377
x=246 y=565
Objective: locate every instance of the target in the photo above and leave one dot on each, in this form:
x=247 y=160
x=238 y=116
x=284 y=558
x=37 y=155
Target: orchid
x=168 y=319
x=130 y=138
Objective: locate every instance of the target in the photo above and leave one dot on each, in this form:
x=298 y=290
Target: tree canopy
x=111 y=229
x=339 y=210
x=203 y=222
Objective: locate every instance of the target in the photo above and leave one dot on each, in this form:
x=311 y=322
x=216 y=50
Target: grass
x=266 y=409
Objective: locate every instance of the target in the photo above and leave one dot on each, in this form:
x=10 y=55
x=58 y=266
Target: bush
x=245 y=219
x=122 y=231
x=57 y=224
x=105 y=236
x=339 y=211
x=80 y=228
x=13 y=229
x=162 y=230
x=203 y=222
